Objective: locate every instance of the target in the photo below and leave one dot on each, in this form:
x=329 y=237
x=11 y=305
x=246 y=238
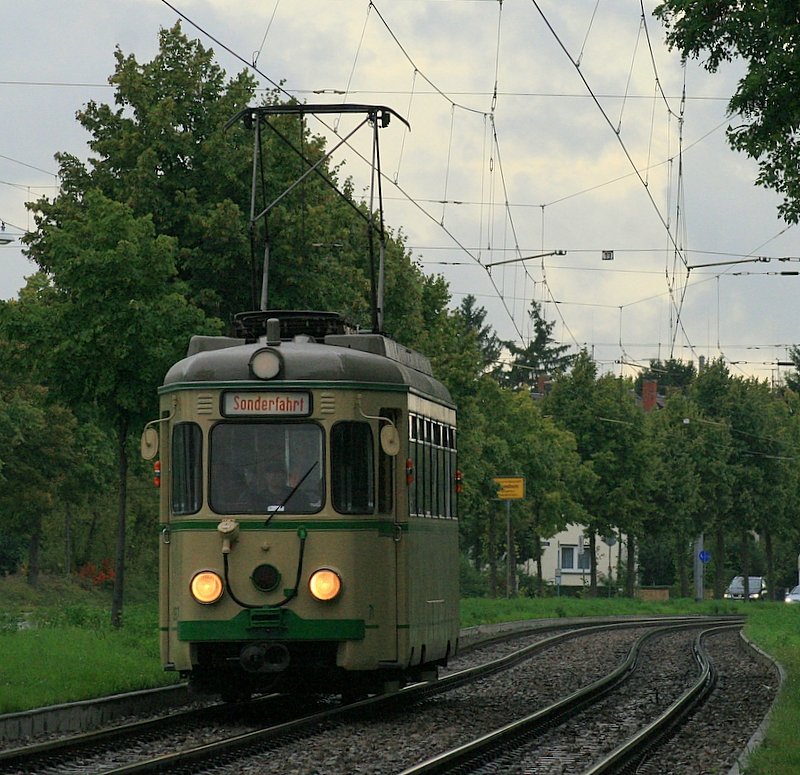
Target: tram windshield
x=262 y=468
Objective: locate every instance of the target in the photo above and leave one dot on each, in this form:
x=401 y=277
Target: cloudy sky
x=537 y=127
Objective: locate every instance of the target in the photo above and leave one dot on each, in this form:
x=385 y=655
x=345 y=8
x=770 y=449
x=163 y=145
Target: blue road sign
x=704 y=556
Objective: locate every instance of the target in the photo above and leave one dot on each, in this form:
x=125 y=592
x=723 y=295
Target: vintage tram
x=308 y=528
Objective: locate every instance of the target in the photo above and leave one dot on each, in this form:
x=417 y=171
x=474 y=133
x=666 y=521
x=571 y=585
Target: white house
x=566 y=561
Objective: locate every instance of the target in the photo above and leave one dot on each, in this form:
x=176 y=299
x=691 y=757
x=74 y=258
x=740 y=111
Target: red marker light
x=409 y=471
x=157 y=473
x=459 y=480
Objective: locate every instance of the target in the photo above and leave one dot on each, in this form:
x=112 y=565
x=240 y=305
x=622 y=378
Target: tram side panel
x=428 y=552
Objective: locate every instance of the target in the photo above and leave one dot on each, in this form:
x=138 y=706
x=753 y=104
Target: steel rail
x=626 y=757
x=521 y=731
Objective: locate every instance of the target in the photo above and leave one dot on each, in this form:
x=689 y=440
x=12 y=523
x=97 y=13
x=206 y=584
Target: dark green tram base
x=311 y=644
x=271 y=624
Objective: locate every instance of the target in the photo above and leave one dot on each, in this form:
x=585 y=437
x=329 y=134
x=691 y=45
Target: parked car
x=793 y=595
x=756 y=588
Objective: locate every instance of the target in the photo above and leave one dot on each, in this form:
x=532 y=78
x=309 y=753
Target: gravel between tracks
x=381 y=746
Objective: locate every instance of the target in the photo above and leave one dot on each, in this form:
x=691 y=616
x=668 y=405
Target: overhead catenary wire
x=497 y=242
x=605 y=115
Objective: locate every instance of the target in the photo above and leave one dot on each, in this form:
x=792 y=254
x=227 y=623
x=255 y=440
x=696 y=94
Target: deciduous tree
x=116 y=318
x=765 y=108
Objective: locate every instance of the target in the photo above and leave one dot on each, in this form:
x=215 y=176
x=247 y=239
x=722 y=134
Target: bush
x=473 y=582
x=532 y=586
x=102 y=577
x=12 y=550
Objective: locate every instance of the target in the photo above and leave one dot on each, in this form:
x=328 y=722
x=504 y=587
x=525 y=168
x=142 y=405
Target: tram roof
x=356 y=358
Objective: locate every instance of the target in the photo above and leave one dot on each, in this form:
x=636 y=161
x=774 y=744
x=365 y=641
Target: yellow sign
x=512 y=488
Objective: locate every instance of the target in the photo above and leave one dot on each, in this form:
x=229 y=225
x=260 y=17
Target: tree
x=541 y=356
x=475 y=322
x=39 y=451
x=116 y=318
x=609 y=431
x=506 y=434
x=689 y=458
x=711 y=393
x=37 y=439
x=793 y=379
x=670 y=375
x=166 y=149
x=766 y=35
x=162 y=149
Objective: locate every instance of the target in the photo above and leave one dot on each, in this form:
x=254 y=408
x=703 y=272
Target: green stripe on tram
x=373 y=525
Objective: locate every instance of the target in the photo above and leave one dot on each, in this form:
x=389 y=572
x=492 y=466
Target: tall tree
x=766 y=103
x=609 y=430
x=541 y=356
x=116 y=318
x=166 y=149
x=475 y=321
x=711 y=393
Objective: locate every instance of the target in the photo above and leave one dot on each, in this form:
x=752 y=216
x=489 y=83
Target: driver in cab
x=266 y=487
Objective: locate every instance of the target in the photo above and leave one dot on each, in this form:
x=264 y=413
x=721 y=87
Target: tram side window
x=352 y=468
x=413 y=447
x=432 y=450
x=187 y=468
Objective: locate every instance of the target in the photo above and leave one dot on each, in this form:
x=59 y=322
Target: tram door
x=362 y=497
x=182 y=459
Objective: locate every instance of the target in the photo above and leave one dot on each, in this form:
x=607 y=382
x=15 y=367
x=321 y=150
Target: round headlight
x=265 y=364
x=325 y=584
x=206 y=587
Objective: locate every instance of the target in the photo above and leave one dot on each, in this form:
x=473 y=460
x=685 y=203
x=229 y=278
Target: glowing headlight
x=325 y=584
x=206 y=587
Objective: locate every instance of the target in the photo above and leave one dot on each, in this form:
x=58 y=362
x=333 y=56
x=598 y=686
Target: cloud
x=558 y=175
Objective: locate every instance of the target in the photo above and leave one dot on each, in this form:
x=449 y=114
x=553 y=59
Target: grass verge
x=58 y=645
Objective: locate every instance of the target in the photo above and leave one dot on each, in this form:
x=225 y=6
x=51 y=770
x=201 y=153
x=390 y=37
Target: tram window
x=352 y=468
x=244 y=458
x=441 y=483
x=452 y=496
x=427 y=471
x=187 y=468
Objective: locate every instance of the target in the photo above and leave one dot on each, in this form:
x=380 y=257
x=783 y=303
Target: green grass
x=486 y=611
x=70 y=651
x=53 y=665
x=776 y=630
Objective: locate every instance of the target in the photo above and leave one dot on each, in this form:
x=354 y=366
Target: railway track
x=364 y=737
x=515 y=747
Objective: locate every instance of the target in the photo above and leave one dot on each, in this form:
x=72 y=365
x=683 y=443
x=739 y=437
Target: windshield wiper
x=281 y=506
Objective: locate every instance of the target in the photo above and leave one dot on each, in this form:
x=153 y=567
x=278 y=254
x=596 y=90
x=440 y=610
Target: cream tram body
x=364 y=439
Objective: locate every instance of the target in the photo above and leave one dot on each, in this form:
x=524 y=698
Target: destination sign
x=252 y=404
